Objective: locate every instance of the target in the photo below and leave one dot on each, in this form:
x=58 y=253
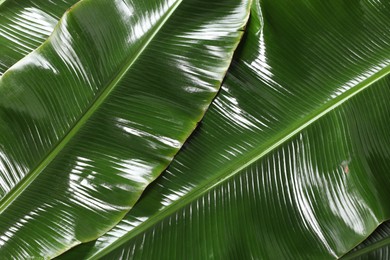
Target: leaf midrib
x=96 y=103
x=252 y=157
x=377 y=245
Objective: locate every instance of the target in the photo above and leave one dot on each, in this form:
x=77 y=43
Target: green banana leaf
x=98 y=111
x=376 y=246
x=291 y=161
x=24 y=25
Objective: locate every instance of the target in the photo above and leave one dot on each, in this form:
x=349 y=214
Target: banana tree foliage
x=290 y=161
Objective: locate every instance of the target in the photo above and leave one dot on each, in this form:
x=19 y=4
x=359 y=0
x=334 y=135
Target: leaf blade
x=24 y=26
x=260 y=73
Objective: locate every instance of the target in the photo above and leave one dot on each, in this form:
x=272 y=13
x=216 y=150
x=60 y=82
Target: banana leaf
x=376 y=246
x=24 y=25
x=291 y=161
x=98 y=111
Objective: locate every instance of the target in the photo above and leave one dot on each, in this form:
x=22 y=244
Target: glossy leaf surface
x=100 y=109
x=291 y=160
x=24 y=25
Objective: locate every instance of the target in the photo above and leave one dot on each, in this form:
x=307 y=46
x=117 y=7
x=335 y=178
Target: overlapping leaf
x=99 y=110
x=292 y=158
x=376 y=246
x=24 y=25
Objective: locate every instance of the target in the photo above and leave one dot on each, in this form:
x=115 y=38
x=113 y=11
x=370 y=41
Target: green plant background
x=290 y=161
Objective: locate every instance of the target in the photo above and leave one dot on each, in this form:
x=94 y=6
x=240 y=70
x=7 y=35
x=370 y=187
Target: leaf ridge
x=370 y=248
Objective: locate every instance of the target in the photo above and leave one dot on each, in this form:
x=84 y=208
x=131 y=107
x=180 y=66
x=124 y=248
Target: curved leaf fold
x=98 y=111
x=24 y=25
